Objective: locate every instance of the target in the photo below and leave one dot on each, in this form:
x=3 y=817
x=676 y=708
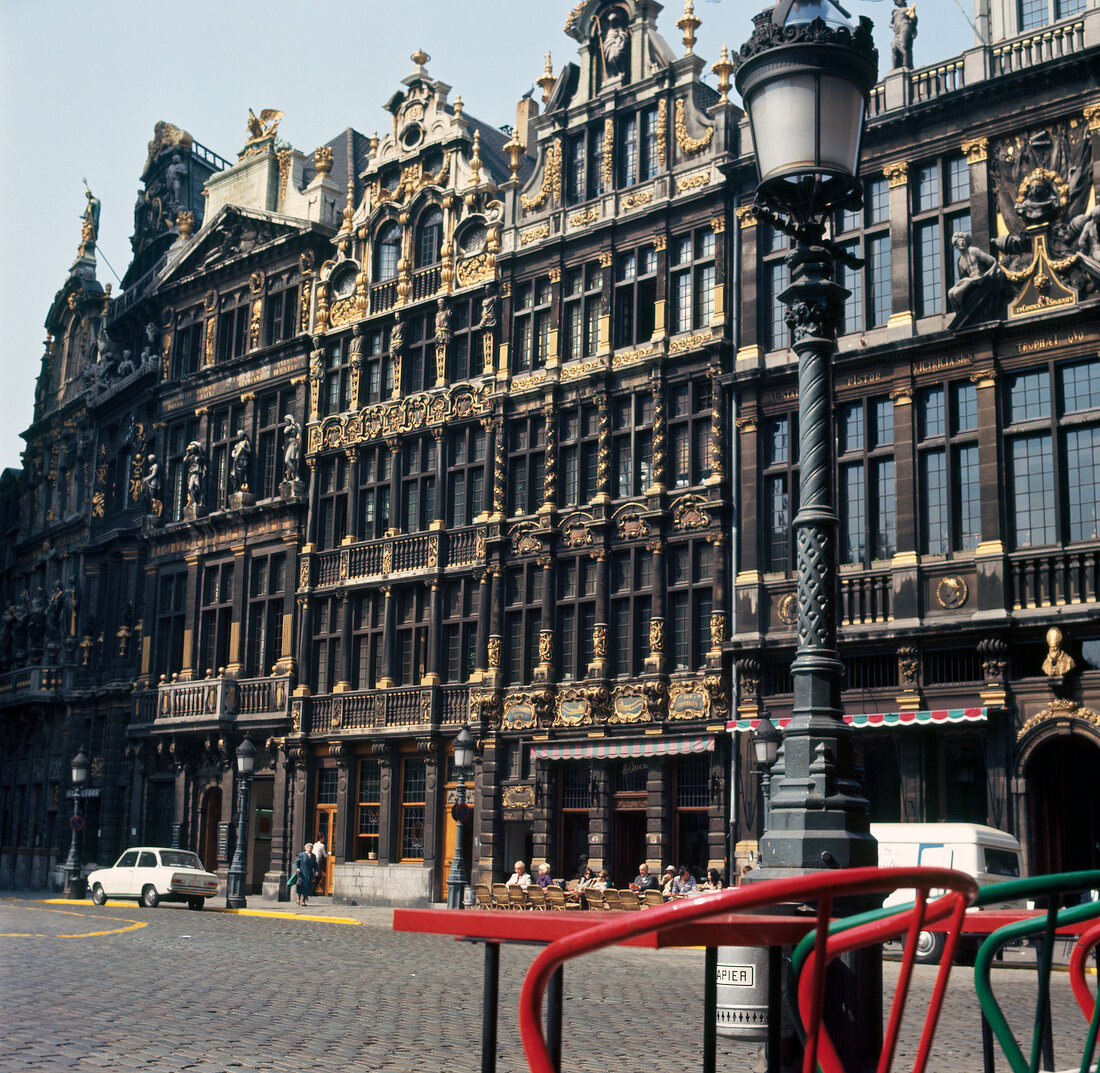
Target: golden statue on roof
x=265 y=125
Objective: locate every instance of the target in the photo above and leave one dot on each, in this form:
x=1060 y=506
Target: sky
x=82 y=86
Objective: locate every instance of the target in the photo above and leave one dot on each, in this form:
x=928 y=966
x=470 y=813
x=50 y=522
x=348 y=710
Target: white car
x=153 y=875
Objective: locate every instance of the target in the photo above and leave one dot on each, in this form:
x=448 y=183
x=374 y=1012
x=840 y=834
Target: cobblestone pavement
x=169 y=990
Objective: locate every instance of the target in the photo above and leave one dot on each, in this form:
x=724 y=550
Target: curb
x=237 y=912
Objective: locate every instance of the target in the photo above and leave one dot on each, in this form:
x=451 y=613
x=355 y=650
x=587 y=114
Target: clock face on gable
x=343 y=282
x=472 y=240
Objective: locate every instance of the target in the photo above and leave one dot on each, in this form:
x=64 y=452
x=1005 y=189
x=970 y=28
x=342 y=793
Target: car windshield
x=178 y=858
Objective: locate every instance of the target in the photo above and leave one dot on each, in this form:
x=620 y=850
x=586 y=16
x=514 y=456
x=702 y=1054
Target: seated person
x=544 y=880
x=519 y=877
x=603 y=880
x=669 y=879
x=713 y=881
x=684 y=883
x=588 y=879
x=643 y=881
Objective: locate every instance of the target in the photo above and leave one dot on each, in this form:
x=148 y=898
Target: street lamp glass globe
x=464 y=748
x=246 y=757
x=80 y=768
x=765 y=742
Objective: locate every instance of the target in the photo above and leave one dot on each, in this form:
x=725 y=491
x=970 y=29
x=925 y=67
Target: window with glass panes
x=187 y=346
x=334 y=386
x=267 y=461
x=376 y=374
x=180 y=435
x=690 y=570
x=876 y=251
x=581 y=315
x=234 y=316
x=866 y=480
x=940 y=192
x=414 y=794
x=636 y=147
x=368 y=808
x=635 y=296
x=578 y=439
x=776 y=277
x=847 y=225
x=691 y=279
x=171 y=622
x=410 y=647
x=522 y=621
x=689 y=428
x=215 y=617
x=367 y=622
x=1036 y=13
x=326 y=643
x=281 y=308
x=632 y=444
x=1053 y=447
x=780 y=492
x=584 y=164
x=526 y=463
x=224 y=424
x=418 y=470
x=464 y=358
x=631 y=588
x=418 y=363
x=950 y=488
x=375 y=488
x=531 y=317
x=692 y=811
x=387 y=252
x=332 y=502
x=429 y=237
x=465 y=474
x=576 y=615
x=460 y=598
x=266 y=592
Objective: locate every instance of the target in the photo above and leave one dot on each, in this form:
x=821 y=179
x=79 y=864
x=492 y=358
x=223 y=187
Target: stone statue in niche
x=616 y=44
x=1058 y=662
x=239 y=460
x=149 y=353
x=292 y=485
x=442 y=323
x=194 y=468
x=490 y=309
x=174 y=175
x=982 y=287
x=903 y=21
x=150 y=486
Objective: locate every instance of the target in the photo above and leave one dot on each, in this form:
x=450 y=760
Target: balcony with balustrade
x=212 y=701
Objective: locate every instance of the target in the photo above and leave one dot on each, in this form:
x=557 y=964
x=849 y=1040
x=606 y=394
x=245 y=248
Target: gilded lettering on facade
x=634 y=201
x=533 y=234
x=679 y=346
x=688 y=702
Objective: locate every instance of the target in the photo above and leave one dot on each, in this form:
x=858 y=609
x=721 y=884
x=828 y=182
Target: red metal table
x=540 y=928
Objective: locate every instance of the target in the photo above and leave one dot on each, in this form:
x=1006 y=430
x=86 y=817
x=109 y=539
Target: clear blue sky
x=83 y=84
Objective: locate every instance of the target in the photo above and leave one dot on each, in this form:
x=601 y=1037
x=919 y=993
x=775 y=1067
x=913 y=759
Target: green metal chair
x=1041 y=929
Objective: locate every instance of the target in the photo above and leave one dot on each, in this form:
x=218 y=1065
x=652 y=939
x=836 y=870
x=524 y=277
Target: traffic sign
x=461 y=812
x=76 y=823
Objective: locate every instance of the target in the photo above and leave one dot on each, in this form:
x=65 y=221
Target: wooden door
x=325 y=829
x=450 y=829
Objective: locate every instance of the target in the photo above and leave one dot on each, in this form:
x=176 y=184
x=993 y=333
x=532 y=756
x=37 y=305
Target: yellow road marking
x=239 y=912
x=288 y=916
x=132 y=925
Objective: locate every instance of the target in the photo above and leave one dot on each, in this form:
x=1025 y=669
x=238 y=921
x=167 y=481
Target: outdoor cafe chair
x=483 y=896
x=611 y=899
x=628 y=899
x=824 y=888
x=555 y=900
x=1041 y=928
x=501 y=899
x=536 y=898
x=594 y=898
x=517 y=898
x=653 y=897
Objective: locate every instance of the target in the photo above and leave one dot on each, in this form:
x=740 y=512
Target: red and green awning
x=604 y=748
x=868 y=720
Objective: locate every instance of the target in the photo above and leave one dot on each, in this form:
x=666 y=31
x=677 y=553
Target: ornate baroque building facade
x=460 y=426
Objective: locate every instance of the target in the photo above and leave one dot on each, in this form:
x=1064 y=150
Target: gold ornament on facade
x=627 y=705
x=476 y=269
x=546 y=647
x=533 y=234
x=185 y=223
x=689 y=145
x=693 y=182
x=608 y=153
x=687 y=24
x=662 y=131
x=571 y=20
x=572 y=708
x=286 y=159
x=633 y=201
x=723 y=67
x=475 y=160
x=1058 y=709
x=1092 y=116
x=1058 y=662
x=717 y=629
x=691 y=701
x=494 y=653
x=689 y=512
x=656 y=636
x=599 y=642
x=976 y=150
x=584 y=217
x=897 y=174
x=546 y=81
x=787 y=609
x=551 y=181
x=322 y=159
x=514 y=149
x=952 y=592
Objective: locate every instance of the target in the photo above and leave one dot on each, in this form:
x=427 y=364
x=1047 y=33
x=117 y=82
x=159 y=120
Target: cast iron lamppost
x=805 y=77
x=456 y=877
x=765 y=746
x=74 y=886
x=235 y=881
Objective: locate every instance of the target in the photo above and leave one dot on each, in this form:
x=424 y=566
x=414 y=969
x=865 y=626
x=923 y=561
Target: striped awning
x=868 y=720
x=620 y=747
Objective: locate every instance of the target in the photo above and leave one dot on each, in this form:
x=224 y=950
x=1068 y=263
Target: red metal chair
x=823 y=887
x=1078 y=968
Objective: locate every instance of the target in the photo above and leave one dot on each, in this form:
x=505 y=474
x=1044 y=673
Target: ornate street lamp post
x=235 y=881
x=74 y=884
x=805 y=77
x=765 y=746
x=456 y=877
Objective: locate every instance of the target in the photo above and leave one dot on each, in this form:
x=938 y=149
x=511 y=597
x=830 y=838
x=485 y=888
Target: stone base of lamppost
x=76 y=886
x=234 y=891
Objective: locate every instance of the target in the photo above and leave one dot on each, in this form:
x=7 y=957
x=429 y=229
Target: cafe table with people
x=592 y=888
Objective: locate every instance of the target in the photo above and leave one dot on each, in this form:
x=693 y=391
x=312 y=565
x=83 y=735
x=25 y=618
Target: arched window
x=389 y=252
x=429 y=238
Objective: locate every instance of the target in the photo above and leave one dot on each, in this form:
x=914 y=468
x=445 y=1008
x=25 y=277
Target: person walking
x=305 y=865
x=319 y=856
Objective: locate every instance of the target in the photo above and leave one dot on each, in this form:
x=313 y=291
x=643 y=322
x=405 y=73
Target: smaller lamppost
x=456 y=877
x=765 y=745
x=235 y=881
x=74 y=885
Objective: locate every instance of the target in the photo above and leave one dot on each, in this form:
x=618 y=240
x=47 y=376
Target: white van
x=989 y=855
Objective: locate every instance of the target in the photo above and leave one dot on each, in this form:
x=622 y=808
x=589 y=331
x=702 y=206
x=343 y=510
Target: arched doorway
x=209 y=819
x=1064 y=803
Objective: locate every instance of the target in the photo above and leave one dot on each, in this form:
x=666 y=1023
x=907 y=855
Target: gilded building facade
x=461 y=425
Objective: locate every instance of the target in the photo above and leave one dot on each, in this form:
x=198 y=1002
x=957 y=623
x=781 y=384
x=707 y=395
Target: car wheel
x=149 y=897
x=195 y=903
x=99 y=895
x=930 y=947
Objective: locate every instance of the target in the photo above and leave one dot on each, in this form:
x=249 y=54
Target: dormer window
x=388 y=252
x=429 y=238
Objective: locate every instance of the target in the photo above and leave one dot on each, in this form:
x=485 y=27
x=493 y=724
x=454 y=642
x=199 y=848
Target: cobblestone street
x=168 y=990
